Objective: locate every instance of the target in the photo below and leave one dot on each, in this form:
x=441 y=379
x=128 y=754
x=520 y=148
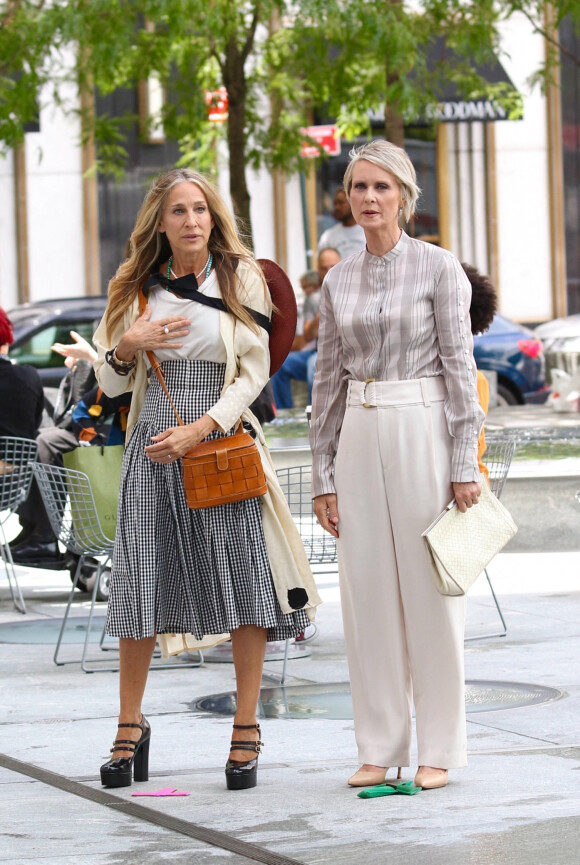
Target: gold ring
x=165 y=329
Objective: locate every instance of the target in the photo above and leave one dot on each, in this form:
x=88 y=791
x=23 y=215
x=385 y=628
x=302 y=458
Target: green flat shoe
x=406 y=788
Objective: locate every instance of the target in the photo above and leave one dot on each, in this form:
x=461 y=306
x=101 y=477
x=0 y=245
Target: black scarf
x=186 y=287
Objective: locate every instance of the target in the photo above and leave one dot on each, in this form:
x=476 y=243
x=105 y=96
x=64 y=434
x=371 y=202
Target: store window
x=120 y=200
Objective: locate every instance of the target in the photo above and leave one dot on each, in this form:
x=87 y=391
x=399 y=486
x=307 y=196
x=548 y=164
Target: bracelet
x=121 y=367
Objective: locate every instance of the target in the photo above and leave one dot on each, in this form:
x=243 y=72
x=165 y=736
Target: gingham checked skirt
x=177 y=570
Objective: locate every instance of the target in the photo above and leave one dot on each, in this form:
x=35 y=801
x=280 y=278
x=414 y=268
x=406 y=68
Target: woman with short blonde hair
x=395 y=422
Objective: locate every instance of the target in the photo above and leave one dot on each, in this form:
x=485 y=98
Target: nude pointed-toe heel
x=363 y=778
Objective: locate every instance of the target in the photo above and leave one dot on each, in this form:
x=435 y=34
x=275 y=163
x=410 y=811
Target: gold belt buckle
x=367 y=381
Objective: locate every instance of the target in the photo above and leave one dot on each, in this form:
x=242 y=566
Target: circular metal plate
x=333 y=701
x=45 y=631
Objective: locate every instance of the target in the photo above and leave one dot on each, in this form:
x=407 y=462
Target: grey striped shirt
x=402 y=316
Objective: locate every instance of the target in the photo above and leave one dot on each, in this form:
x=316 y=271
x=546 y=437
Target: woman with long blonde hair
x=203 y=572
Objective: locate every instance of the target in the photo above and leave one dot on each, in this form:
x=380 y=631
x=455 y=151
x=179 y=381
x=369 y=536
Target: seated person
x=301 y=363
x=95 y=419
x=482 y=310
x=21 y=391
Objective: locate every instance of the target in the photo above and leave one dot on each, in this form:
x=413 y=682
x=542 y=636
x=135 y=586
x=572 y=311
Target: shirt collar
x=389 y=256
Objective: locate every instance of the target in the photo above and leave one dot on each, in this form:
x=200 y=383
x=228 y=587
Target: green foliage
x=281 y=61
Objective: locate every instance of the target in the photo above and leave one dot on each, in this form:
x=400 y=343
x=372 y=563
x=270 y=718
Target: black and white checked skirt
x=177 y=570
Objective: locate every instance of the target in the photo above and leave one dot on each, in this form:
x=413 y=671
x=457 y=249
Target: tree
x=279 y=60
x=367 y=55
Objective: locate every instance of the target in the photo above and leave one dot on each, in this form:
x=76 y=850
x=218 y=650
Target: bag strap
x=156 y=367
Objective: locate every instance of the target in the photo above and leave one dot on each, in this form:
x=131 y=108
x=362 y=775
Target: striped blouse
x=402 y=316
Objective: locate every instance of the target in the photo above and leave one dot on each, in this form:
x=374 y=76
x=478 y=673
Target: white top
x=404 y=315
x=346 y=239
x=203 y=341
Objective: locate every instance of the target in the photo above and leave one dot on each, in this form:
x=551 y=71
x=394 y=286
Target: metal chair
x=17 y=456
x=296 y=483
x=497 y=458
x=320 y=547
x=70 y=505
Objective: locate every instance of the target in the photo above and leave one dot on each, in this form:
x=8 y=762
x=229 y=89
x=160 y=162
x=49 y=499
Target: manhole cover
x=333 y=701
x=46 y=630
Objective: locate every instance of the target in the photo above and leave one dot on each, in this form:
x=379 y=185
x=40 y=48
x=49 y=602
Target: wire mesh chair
x=17 y=456
x=71 y=508
x=497 y=458
x=296 y=483
x=320 y=547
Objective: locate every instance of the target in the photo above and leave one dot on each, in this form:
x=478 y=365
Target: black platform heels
x=117 y=773
x=243 y=775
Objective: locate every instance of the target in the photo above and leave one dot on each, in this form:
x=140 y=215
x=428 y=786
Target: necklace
x=207 y=268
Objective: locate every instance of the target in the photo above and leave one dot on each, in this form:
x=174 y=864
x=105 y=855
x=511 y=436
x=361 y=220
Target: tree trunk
x=235 y=83
x=394 y=126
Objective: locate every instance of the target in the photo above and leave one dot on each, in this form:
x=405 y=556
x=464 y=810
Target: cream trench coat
x=247 y=370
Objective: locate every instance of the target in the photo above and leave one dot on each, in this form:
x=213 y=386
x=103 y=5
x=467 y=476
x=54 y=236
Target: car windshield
x=36 y=350
x=502 y=325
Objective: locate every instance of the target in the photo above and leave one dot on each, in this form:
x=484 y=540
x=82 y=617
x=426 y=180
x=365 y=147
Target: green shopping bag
x=102 y=465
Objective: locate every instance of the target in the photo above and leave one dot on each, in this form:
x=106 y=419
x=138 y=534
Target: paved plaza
x=517 y=802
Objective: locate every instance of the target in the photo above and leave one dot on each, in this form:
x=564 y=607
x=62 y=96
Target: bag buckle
x=364 y=394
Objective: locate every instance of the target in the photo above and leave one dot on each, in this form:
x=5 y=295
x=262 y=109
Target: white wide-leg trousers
x=404 y=640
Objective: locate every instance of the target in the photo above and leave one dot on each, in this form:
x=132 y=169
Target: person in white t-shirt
x=346 y=236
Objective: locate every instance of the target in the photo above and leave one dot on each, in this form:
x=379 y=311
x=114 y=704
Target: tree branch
x=249 y=43
x=555 y=42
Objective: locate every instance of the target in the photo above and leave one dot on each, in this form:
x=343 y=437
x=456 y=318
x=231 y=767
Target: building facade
x=502 y=195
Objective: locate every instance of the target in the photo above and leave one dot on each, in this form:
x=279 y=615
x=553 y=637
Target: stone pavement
x=517 y=802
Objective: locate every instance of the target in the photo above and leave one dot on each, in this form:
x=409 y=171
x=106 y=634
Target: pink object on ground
x=166 y=791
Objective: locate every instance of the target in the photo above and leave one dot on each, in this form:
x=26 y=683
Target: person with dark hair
x=482 y=309
x=21 y=403
x=37 y=546
x=301 y=362
x=239 y=567
x=347 y=237
x=21 y=392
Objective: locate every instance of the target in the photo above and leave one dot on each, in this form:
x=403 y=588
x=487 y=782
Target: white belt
x=417 y=391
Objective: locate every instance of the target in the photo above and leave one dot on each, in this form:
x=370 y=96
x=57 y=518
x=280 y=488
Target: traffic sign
x=326 y=136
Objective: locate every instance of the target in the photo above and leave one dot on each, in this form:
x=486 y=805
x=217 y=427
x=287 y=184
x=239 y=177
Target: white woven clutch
x=462 y=545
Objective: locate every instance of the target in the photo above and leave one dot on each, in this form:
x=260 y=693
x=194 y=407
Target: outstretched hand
x=80 y=349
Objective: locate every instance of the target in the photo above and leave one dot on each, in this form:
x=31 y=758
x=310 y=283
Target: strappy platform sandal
x=243 y=775
x=118 y=772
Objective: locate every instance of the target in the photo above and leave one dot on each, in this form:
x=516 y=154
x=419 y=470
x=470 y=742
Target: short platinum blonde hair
x=390 y=158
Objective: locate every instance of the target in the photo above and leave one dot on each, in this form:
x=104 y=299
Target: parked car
x=561 y=340
x=38 y=325
x=516 y=354
x=513 y=351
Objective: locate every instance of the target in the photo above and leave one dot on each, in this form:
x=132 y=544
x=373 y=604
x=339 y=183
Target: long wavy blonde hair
x=148 y=248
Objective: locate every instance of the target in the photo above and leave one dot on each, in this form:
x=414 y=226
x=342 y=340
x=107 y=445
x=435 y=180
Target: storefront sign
x=326 y=136
x=466 y=110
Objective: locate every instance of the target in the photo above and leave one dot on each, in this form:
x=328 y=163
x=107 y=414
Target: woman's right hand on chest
x=147 y=335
